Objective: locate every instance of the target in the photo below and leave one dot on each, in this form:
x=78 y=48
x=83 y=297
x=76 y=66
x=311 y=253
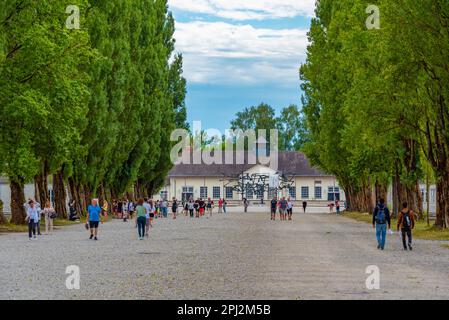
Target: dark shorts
x=93 y=224
x=151 y=215
x=273 y=210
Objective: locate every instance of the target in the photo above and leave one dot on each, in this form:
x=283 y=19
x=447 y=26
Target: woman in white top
x=289 y=209
x=49 y=214
x=32 y=218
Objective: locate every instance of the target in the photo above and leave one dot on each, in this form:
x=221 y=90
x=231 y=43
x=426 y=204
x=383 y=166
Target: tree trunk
x=428 y=199
x=442 y=203
x=17 y=200
x=60 y=195
x=381 y=191
x=3 y=219
x=87 y=197
x=41 y=185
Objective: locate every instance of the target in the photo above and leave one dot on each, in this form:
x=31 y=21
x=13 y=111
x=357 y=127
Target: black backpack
x=406 y=220
x=381 y=217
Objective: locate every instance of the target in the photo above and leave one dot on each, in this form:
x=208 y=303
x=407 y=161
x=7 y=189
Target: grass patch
x=421 y=230
x=12 y=228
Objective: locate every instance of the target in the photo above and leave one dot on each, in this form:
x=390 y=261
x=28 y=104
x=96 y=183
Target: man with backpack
x=381 y=216
x=406 y=222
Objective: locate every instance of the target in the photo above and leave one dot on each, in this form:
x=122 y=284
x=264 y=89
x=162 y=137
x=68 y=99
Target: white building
x=217 y=181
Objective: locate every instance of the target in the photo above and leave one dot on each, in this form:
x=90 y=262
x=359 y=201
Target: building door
x=187 y=193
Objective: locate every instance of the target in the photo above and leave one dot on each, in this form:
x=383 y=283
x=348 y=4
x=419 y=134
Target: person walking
x=125 y=210
x=406 y=223
x=120 y=208
x=202 y=205
x=72 y=211
x=32 y=218
x=105 y=208
x=185 y=207
x=273 y=204
x=245 y=204
x=225 y=204
x=141 y=219
x=148 y=212
x=289 y=209
x=164 y=207
x=49 y=215
x=210 y=204
x=191 y=207
x=196 y=206
x=304 y=206
x=131 y=208
x=220 y=205
x=94 y=218
x=174 y=207
x=283 y=209
x=381 y=217
x=337 y=205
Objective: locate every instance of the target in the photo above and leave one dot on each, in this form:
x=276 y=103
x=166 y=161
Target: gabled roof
x=290 y=163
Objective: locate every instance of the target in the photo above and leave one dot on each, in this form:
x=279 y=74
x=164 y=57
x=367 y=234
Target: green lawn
x=9 y=227
x=421 y=231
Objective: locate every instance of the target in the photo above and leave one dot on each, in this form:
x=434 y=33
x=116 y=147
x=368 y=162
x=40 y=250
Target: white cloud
x=247 y=9
x=218 y=52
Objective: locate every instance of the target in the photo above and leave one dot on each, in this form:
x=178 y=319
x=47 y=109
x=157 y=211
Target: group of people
x=198 y=208
x=146 y=211
x=34 y=215
x=125 y=208
x=334 y=204
x=382 y=221
x=285 y=208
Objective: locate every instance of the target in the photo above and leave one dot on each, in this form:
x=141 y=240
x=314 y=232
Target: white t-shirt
x=147 y=207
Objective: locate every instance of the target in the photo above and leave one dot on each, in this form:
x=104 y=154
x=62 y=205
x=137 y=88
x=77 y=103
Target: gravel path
x=234 y=256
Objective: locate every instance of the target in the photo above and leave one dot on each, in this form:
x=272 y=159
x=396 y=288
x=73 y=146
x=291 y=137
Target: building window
x=292 y=192
x=305 y=192
x=164 y=195
x=259 y=194
x=333 y=194
x=318 y=193
x=203 y=192
x=229 y=192
x=249 y=193
x=216 y=193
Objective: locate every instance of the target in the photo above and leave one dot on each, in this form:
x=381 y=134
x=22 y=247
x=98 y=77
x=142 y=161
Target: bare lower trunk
x=442 y=203
x=411 y=195
x=381 y=191
x=60 y=195
x=360 y=199
x=17 y=200
x=87 y=197
x=428 y=199
x=41 y=185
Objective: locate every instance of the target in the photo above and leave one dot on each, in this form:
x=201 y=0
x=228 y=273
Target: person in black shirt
x=274 y=204
x=381 y=217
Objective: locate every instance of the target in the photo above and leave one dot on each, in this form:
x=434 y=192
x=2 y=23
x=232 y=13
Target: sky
x=240 y=53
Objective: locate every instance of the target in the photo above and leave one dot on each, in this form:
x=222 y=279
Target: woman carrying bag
x=50 y=215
